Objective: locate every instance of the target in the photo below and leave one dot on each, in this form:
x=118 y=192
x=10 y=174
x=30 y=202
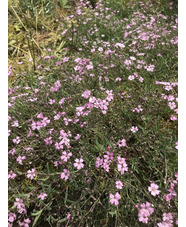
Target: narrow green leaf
x=66 y=195
x=62 y=220
x=36 y=218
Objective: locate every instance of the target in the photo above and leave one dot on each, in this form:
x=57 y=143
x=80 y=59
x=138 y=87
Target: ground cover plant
x=93 y=129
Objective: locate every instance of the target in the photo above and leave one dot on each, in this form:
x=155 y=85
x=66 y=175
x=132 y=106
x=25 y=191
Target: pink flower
x=11 y=175
x=64 y=32
x=20 y=159
x=127 y=62
x=153 y=188
x=65 y=175
x=114 y=198
x=42 y=196
x=25 y=223
x=20 y=206
x=92 y=99
x=122 y=168
x=48 y=140
x=163 y=224
x=143 y=215
x=150 y=68
x=79 y=163
x=122 y=165
x=119 y=184
x=45 y=121
x=118 y=79
x=148 y=207
x=68 y=216
x=65 y=59
x=15 y=124
x=31 y=174
x=99 y=162
x=117 y=196
x=172 y=105
x=29 y=133
x=36 y=125
x=168 y=197
x=11 y=217
x=77 y=68
x=9 y=131
x=12 y=152
x=51 y=101
x=171 y=98
x=121 y=143
x=141 y=79
x=65 y=141
x=17 y=140
x=176 y=111
x=59 y=145
x=176 y=175
x=109 y=156
x=66 y=156
x=168 y=87
x=173 y=118
x=77 y=137
x=106 y=165
x=61 y=101
x=18 y=203
x=167 y=220
x=59 y=63
x=167 y=217
x=10 y=71
x=131 y=77
x=134 y=129
x=100 y=49
x=86 y=94
x=119 y=45
x=176 y=145
x=40 y=115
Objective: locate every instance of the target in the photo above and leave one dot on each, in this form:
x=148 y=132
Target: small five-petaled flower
x=79 y=163
x=42 y=196
x=114 y=198
x=153 y=189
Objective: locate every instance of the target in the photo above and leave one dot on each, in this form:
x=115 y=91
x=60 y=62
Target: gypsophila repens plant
x=93 y=134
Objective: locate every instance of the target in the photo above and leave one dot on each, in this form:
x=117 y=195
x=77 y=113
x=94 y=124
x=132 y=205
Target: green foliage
x=150 y=152
x=31 y=5
x=63 y=3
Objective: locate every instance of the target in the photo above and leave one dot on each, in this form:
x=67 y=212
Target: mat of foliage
x=93 y=134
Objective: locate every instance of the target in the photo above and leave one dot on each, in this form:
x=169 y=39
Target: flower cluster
x=145 y=211
x=25 y=223
x=172 y=193
x=171 y=98
x=11 y=217
x=101 y=92
x=20 y=206
x=167 y=220
x=108 y=160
